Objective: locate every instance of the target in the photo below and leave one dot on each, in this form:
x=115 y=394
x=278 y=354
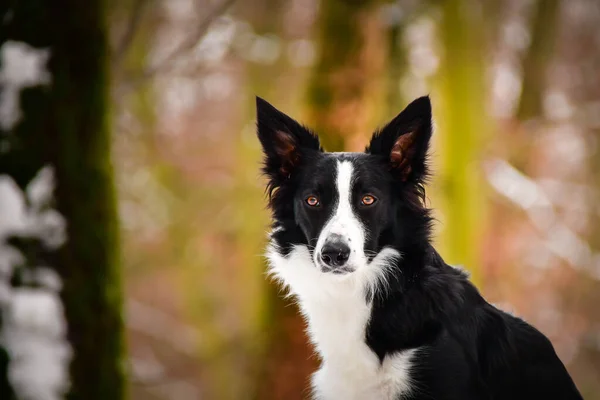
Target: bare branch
x=556 y=236
x=192 y=40
x=135 y=18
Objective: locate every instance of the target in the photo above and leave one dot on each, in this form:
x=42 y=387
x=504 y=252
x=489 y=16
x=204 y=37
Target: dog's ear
x=404 y=141
x=285 y=142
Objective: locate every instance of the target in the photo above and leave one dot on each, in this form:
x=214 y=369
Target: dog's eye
x=313 y=201
x=368 y=200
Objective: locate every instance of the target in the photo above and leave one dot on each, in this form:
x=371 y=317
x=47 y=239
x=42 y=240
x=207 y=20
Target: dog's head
x=347 y=208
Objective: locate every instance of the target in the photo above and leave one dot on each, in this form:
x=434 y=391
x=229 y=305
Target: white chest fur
x=337 y=314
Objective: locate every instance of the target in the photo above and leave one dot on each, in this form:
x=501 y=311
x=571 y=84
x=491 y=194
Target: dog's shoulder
x=516 y=359
x=478 y=350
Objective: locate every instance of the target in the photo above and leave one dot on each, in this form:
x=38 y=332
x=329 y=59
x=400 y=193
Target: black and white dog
x=388 y=317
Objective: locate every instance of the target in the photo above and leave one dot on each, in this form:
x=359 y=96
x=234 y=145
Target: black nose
x=335 y=254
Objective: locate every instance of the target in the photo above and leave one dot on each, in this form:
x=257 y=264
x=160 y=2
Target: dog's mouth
x=343 y=270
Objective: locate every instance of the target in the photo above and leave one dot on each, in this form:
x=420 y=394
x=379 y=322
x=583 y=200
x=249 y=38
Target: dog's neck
x=338 y=312
x=338 y=309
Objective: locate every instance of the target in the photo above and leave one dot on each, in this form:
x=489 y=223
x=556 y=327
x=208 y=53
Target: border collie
x=388 y=317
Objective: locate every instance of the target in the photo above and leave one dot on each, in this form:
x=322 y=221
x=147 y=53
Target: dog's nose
x=335 y=254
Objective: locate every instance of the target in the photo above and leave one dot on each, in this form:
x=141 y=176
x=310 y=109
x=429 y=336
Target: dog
x=390 y=320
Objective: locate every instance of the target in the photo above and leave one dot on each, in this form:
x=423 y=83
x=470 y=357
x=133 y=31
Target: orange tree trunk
x=346 y=91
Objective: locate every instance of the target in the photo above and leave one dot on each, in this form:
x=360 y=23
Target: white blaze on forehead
x=343 y=221
x=344 y=183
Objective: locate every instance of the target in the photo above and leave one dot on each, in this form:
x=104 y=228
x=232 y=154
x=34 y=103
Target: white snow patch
x=39 y=191
x=37 y=220
x=34 y=326
x=12 y=207
x=22 y=66
x=33 y=333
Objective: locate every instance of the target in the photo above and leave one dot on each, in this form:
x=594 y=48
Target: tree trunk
x=346 y=91
x=65 y=126
x=459 y=113
x=535 y=64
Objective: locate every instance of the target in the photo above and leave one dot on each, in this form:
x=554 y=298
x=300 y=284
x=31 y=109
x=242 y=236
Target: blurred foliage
x=515 y=92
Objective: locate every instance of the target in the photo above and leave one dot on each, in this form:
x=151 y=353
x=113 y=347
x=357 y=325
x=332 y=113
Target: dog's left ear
x=405 y=140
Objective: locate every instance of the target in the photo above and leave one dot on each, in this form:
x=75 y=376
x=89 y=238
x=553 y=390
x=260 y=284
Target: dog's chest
x=350 y=370
x=338 y=314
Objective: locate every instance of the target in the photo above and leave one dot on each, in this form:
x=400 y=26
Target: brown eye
x=368 y=200
x=313 y=201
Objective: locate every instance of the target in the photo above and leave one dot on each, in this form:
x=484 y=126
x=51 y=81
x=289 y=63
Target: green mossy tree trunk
x=346 y=91
x=65 y=125
x=459 y=112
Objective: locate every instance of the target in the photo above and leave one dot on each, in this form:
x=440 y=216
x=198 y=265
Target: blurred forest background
x=515 y=87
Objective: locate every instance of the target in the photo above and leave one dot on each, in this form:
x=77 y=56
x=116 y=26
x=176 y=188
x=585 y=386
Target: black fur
x=468 y=349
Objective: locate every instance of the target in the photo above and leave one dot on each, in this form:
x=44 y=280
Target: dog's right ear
x=284 y=140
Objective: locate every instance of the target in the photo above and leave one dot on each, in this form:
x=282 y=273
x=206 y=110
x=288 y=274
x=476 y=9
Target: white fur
x=338 y=311
x=343 y=221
